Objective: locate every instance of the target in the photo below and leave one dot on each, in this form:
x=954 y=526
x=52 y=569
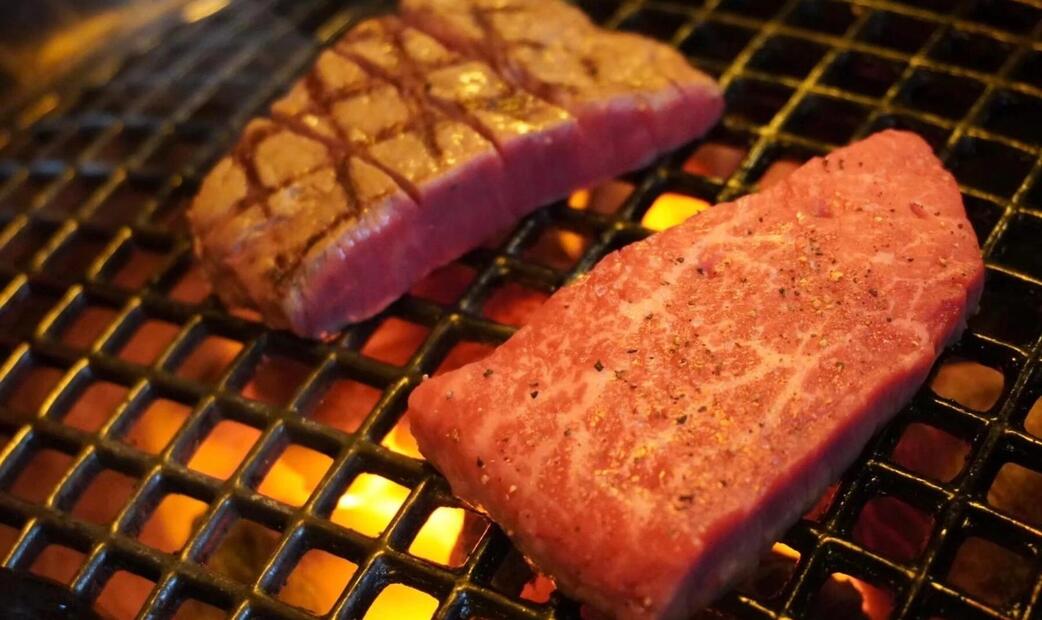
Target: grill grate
x=94 y=263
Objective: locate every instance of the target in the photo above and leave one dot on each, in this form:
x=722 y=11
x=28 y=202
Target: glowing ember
x=579 y=199
x=437 y=539
x=875 y=603
x=670 y=209
x=667 y=211
x=785 y=550
x=367 y=506
x=573 y=244
x=605 y=198
x=201 y=9
x=538 y=589
x=400 y=602
x=714 y=159
x=317 y=581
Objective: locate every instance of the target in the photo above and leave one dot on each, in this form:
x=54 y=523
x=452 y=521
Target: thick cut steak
x=410 y=142
x=660 y=422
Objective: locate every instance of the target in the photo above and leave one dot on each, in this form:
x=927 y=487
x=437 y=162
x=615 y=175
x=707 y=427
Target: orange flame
x=367 y=506
x=671 y=209
x=875 y=604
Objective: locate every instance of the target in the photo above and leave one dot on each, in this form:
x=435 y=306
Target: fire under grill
x=165 y=458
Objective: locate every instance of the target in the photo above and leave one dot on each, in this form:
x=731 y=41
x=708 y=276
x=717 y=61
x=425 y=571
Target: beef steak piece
x=410 y=142
x=657 y=424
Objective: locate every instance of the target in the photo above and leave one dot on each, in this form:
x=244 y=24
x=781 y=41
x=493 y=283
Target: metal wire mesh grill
x=94 y=258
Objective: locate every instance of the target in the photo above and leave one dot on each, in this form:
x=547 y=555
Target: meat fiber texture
x=415 y=137
x=659 y=423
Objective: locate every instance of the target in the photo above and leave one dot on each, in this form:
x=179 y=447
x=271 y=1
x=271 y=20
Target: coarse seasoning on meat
x=659 y=423
x=418 y=135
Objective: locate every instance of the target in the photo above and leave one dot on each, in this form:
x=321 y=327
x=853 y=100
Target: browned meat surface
x=411 y=141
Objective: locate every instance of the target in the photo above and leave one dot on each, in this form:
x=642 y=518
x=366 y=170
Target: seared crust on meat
x=408 y=143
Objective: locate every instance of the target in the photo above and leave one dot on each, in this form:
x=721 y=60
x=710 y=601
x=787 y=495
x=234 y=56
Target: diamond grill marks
x=470 y=31
x=404 y=57
x=551 y=51
x=366 y=110
x=448 y=88
x=451 y=136
x=303 y=170
x=378 y=48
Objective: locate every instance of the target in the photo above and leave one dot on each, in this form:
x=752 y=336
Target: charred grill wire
x=94 y=261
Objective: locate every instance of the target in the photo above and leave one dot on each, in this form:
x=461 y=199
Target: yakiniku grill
x=167 y=458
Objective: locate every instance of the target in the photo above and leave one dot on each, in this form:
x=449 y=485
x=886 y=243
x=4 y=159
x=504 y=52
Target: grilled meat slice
x=405 y=146
x=657 y=424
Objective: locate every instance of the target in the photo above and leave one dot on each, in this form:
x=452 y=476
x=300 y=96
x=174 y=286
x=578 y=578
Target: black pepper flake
x=481 y=464
x=598 y=365
x=702 y=409
x=701 y=271
x=631 y=351
x=873 y=292
x=687 y=499
x=781 y=291
x=487 y=373
x=534 y=393
x=682 y=419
